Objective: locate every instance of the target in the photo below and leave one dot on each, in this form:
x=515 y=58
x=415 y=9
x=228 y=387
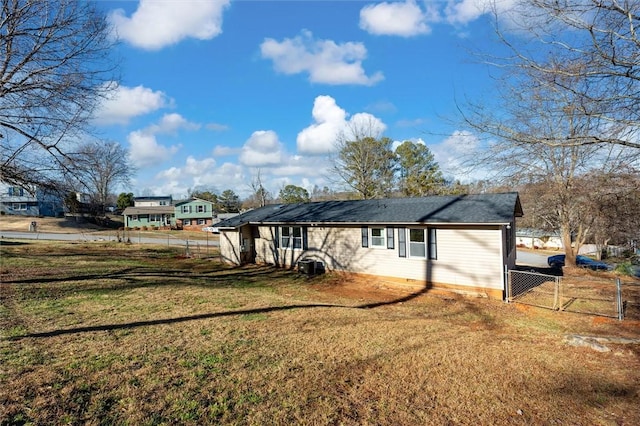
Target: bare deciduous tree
x=55 y=65
x=589 y=49
x=531 y=141
x=99 y=166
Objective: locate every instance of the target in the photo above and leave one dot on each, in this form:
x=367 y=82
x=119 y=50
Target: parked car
x=557 y=261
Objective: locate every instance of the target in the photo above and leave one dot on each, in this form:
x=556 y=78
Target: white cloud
x=124 y=103
x=451 y=153
x=331 y=122
x=396 y=18
x=171 y=123
x=326 y=61
x=465 y=11
x=144 y=147
x=199 y=167
x=263 y=148
x=156 y=24
x=223 y=151
x=145 y=150
x=177 y=181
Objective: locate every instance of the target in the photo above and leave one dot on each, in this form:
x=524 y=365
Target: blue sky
x=213 y=92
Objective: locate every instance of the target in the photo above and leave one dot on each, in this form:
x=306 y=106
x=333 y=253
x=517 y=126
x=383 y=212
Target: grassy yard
x=107 y=333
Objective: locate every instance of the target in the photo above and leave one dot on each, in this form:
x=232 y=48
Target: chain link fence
x=533 y=288
x=604 y=296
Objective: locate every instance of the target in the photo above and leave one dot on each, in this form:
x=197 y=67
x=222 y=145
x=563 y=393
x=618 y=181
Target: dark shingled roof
x=477 y=208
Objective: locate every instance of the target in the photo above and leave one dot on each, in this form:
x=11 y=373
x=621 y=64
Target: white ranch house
x=460 y=243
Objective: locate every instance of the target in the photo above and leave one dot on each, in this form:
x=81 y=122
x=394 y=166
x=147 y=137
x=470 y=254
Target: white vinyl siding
x=466 y=256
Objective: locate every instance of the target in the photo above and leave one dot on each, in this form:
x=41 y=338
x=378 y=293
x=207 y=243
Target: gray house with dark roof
x=461 y=243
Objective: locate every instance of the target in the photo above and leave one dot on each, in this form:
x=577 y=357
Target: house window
x=134 y=217
x=417 y=246
x=155 y=218
x=163 y=203
x=16 y=191
x=291 y=237
x=19 y=206
x=433 y=244
x=186 y=222
x=201 y=209
x=202 y=221
x=377 y=237
x=186 y=209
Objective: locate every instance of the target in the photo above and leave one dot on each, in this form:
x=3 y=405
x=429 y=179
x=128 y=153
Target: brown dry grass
x=106 y=334
x=45 y=224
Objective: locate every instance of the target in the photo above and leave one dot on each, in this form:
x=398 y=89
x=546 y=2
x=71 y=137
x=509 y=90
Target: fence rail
x=593 y=295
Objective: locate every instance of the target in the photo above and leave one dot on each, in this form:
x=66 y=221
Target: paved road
x=531 y=259
x=133 y=236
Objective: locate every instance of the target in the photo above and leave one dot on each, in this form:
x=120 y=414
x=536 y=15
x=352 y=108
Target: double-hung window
x=202 y=221
x=186 y=209
x=377 y=237
x=291 y=237
x=417 y=246
x=200 y=209
x=423 y=243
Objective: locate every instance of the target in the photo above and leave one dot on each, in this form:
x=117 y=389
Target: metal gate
x=535 y=289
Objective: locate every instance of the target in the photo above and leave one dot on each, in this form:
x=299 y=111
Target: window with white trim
x=202 y=221
x=201 y=209
x=19 y=206
x=417 y=243
x=377 y=237
x=186 y=222
x=186 y=209
x=291 y=237
x=155 y=218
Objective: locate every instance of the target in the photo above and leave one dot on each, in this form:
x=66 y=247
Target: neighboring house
x=34 y=201
x=194 y=214
x=156 y=216
x=538 y=239
x=461 y=243
x=151 y=212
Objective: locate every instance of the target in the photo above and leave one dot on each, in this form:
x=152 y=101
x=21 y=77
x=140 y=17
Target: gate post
x=619 y=303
